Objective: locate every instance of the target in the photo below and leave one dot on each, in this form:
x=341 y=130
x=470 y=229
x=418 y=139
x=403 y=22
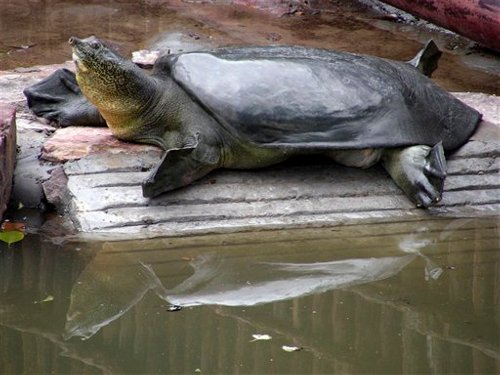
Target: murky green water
x=416 y=297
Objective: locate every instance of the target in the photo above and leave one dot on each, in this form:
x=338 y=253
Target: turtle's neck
x=121 y=96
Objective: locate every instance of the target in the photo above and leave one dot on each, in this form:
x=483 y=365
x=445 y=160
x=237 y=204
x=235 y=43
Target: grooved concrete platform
x=103 y=192
x=95 y=179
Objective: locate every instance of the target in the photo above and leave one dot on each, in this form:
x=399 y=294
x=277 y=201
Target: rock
x=31 y=134
x=145 y=58
x=176 y=42
x=73 y=143
x=171 y=43
x=30 y=171
x=7 y=153
x=276 y=8
x=53 y=190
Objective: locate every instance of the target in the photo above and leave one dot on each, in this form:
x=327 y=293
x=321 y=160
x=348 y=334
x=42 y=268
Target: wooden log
x=478 y=20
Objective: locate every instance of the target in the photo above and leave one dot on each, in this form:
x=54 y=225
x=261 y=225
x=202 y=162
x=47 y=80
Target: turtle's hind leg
x=426 y=61
x=419 y=171
x=59 y=99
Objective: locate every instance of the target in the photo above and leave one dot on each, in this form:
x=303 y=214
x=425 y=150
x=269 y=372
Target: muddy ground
x=36 y=32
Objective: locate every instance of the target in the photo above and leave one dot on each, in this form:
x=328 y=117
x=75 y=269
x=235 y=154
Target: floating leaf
x=49 y=298
x=11 y=236
x=258 y=337
x=291 y=348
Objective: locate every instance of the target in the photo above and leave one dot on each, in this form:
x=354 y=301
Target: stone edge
x=8 y=142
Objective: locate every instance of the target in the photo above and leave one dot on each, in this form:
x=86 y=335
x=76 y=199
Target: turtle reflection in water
x=252 y=107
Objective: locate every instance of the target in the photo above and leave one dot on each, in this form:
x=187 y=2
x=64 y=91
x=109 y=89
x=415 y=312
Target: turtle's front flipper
x=59 y=99
x=418 y=170
x=181 y=166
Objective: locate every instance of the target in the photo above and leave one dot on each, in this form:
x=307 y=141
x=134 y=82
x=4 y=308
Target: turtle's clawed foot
x=181 y=166
x=59 y=99
x=435 y=171
x=418 y=170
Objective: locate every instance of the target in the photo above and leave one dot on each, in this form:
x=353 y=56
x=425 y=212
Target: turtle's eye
x=95 y=45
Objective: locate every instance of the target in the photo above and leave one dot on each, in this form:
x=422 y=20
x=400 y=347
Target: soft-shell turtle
x=256 y=106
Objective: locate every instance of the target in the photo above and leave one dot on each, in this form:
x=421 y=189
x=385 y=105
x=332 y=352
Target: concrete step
x=105 y=195
x=95 y=181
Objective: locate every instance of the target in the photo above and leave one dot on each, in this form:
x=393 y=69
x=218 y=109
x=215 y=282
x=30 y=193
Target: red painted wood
x=478 y=20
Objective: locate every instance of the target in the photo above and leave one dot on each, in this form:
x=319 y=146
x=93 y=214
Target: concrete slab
x=106 y=197
x=95 y=179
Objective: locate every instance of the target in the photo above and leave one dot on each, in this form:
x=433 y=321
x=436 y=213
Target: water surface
x=414 y=297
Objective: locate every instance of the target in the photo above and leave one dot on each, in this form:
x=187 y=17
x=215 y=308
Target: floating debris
x=290 y=349
x=49 y=298
x=9 y=226
x=173 y=308
x=259 y=337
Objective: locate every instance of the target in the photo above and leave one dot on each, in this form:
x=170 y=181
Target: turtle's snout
x=72 y=41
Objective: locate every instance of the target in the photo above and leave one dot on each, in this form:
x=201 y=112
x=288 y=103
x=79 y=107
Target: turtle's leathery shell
x=304 y=98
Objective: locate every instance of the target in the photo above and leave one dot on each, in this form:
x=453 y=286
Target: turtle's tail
x=426 y=61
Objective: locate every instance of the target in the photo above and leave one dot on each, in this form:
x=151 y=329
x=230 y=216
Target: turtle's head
x=96 y=63
x=115 y=85
x=94 y=57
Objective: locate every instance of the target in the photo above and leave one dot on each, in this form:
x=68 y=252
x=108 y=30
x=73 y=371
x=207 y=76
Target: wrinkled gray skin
x=257 y=106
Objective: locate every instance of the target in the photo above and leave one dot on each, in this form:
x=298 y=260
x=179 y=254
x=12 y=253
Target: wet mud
x=36 y=32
